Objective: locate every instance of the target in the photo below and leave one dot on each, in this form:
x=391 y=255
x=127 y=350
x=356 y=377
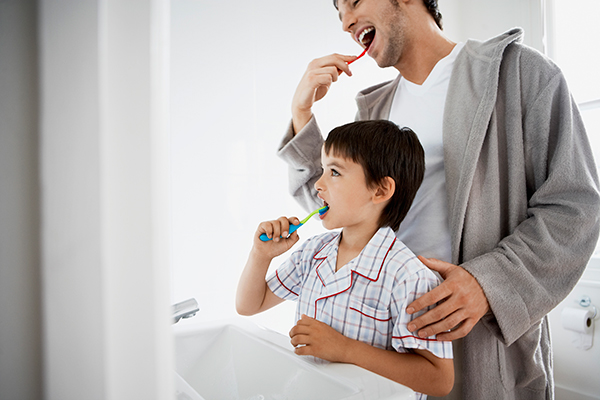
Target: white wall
x=235 y=66
x=482 y=19
x=234 y=69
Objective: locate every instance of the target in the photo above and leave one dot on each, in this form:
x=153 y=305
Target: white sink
x=239 y=360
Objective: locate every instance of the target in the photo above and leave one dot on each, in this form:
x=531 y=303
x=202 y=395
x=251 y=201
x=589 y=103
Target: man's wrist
x=299 y=120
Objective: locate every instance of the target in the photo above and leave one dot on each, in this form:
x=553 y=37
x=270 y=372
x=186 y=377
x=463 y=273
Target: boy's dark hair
x=431 y=5
x=383 y=149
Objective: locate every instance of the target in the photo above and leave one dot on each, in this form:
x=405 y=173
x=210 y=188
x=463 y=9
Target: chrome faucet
x=185 y=309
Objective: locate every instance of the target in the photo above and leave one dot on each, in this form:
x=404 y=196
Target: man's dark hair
x=383 y=149
x=431 y=5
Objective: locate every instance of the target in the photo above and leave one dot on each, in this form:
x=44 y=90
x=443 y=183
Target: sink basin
x=239 y=360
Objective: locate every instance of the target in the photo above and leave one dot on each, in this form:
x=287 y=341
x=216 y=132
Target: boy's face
x=343 y=188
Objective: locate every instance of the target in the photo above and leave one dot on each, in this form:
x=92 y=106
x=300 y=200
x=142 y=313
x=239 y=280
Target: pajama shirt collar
x=368 y=264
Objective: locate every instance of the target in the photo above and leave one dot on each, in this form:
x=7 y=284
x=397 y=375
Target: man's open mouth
x=366 y=36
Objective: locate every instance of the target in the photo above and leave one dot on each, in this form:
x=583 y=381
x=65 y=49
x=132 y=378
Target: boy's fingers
x=266 y=228
x=303 y=351
x=284 y=225
x=293 y=238
x=280 y=226
x=298 y=340
x=302 y=326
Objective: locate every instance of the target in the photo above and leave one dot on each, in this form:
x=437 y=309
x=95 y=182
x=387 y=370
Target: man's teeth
x=363 y=33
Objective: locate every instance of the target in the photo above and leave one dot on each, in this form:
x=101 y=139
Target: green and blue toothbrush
x=293 y=227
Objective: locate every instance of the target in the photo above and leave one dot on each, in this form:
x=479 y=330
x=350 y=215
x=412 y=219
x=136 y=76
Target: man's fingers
x=464 y=303
x=338 y=60
x=322 y=77
x=460 y=332
x=432 y=316
x=438 y=325
x=429 y=299
x=442 y=267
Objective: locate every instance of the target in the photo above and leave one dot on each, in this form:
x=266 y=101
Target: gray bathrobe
x=523 y=204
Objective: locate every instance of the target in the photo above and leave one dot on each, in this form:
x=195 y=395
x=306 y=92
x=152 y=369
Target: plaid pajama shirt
x=365 y=300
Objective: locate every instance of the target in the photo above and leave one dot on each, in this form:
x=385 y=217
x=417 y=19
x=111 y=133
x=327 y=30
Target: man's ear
x=385 y=190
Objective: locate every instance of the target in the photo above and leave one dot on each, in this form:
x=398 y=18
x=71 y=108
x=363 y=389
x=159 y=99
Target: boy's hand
x=315 y=338
x=277 y=230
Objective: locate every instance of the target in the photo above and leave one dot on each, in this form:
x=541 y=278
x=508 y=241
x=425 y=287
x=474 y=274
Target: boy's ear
x=385 y=190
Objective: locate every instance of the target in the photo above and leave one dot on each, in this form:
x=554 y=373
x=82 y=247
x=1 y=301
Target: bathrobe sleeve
x=302 y=153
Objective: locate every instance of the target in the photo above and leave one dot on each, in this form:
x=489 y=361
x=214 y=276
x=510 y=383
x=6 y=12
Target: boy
x=353 y=286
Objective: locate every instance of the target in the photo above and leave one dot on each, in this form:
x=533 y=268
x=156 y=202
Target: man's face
x=376 y=24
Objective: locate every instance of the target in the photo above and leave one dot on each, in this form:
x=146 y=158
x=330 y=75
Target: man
x=508 y=210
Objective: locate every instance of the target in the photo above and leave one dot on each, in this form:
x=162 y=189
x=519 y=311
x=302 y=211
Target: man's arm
x=315 y=84
x=301 y=146
x=419 y=370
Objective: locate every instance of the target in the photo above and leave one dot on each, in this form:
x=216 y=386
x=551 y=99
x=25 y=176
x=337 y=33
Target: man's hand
x=314 y=85
x=315 y=338
x=463 y=303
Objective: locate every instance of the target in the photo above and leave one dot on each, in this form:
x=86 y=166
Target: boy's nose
x=319 y=184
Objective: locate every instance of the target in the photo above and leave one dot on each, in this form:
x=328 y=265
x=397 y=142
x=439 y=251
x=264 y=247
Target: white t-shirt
x=421 y=107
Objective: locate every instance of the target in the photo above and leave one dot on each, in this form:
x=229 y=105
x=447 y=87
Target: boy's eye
x=334 y=173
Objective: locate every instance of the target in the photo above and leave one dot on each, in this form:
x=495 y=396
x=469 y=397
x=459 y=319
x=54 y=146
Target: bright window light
x=572 y=34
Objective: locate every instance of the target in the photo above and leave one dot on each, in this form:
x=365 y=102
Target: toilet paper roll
x=577 y=319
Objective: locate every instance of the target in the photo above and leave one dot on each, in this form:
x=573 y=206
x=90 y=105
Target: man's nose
x=348 y=20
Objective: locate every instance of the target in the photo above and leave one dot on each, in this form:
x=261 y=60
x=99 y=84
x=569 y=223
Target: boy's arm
x=253 y=295
x=420 y=370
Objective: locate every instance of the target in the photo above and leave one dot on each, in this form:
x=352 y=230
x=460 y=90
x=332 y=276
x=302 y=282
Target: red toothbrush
x=361 y=54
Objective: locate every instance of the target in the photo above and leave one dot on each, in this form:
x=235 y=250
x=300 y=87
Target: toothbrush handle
x=293 y=228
